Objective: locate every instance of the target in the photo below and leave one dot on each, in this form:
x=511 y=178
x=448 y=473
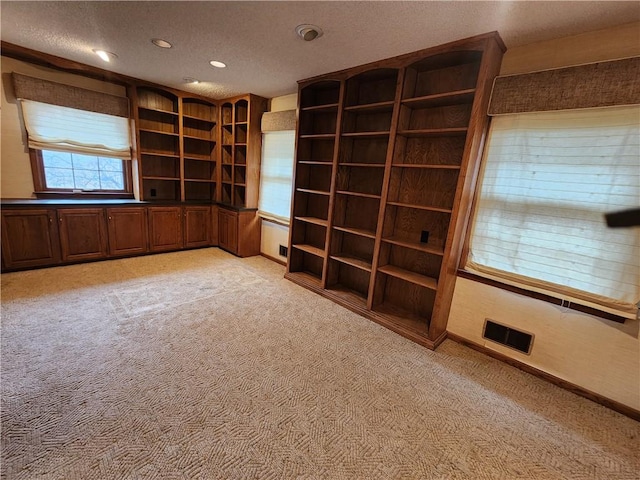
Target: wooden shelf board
x=353 y=261
x=172 y=179
x=240 y=144
x=318 y=136
x=377 y=107
x=227 y=124
x=348 y=295
x=193 y=137
x=315 y=192
x=357 y=231
x=158 y=132
x=414 y=245
x=434 y=132
x=318 y=252
x=367 y=134
x=426 y=166
x=358 y=194
x=199 y=158
x=409 y=276
x=240 y=184
x=365 y=165
x=199 y=180
x=227 y=182
x=420 y=207
x=157 y=110
x=156 y=154
x=304 y=278
x=314 y=162
x=199 y=119
x=243 y=122
x=441 y=99
x=314 y=220
x=329 y=107
x=403 y=318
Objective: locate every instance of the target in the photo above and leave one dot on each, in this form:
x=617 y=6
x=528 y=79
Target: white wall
x=273 y=234
x=595 y=354
x=17 y=181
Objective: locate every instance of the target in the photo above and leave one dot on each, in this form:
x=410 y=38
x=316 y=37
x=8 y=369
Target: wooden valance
x=601 y=84
x=44 y=91
x=278 y=121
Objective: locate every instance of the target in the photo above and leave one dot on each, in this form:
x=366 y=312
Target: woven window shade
x=44 y=91
x=603 y=84
x=278 y=121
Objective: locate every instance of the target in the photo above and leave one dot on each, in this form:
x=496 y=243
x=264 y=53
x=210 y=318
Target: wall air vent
x=510 y=337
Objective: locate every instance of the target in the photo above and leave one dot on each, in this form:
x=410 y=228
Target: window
x=548 y=180
x=64 y=171
x=79 y=140
x=276 y=175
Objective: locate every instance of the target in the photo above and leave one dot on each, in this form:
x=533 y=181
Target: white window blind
x=53 y=127
x=276 y=174
x=548 y=180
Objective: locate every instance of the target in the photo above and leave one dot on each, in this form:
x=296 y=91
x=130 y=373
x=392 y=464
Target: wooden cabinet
x=177 y=138
x=29 y=238
x=241 y=150
x=83 y=234
x=127 y=227
x=387 y=157
x=165 y=228
x=197 y=226
x=228 y=230
x=239 y=231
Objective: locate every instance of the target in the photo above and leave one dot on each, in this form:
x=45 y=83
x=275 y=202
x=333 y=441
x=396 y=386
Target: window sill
x=543 y=297
x=84 y=195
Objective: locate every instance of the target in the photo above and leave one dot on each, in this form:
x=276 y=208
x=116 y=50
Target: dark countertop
x=34 y=202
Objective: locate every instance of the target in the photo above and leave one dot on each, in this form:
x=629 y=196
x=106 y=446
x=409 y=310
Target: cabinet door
x=228 y=230
x=197 y=226
x=83 y=234
x=29 y=238
x=248 y=229
x=127 y=231
x=165 y=229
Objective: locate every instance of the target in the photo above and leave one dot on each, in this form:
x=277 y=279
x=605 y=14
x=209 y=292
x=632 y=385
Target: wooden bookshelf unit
x=386 y=163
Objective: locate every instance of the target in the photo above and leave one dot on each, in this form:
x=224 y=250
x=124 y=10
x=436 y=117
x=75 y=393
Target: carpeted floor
x=201 y=365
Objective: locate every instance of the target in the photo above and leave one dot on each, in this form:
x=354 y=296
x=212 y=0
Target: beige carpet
x=202 y=365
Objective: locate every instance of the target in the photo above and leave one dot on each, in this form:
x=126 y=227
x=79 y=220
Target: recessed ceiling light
x=191 y=80
x=104 y=55
x=158 y=42
x=217 y=64
x=309 y=32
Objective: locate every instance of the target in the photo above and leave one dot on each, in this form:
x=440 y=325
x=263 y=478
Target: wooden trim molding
x=543 y=297
x=583 y=392
x=274 y=259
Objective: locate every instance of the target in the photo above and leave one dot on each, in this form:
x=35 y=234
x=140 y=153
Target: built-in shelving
x=385 y=163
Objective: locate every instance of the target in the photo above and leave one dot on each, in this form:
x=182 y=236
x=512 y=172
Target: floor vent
x=510 y=337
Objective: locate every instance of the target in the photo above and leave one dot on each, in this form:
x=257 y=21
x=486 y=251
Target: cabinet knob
x=109 y=217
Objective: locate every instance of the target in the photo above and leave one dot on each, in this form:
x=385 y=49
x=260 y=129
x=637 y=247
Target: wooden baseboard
x=274 y=259
x=583 y=392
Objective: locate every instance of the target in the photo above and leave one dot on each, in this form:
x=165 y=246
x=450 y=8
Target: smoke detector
x=308 y=32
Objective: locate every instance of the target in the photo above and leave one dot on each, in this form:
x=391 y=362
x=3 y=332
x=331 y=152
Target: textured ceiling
x=257 y=40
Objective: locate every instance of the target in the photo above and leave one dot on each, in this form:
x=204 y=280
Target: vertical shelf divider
x=385 y=186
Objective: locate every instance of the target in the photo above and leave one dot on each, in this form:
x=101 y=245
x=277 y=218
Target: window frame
x=42 y=191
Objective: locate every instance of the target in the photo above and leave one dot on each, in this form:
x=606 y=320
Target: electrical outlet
x=424 y=236
x=153 y=192
x=283 y=251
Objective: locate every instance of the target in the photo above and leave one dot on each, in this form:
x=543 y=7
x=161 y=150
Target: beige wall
x=274 y=235
x=16 y=178
x=598 y=355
